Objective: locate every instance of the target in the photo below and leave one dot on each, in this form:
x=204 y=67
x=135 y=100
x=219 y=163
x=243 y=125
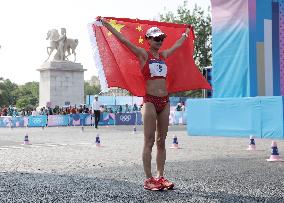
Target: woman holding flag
x=156 y=107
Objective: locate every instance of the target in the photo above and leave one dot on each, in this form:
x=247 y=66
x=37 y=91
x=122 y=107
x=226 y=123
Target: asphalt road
x=64 y=165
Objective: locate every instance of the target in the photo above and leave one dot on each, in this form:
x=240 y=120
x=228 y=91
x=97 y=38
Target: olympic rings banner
x=128 y=119
x=37 y=121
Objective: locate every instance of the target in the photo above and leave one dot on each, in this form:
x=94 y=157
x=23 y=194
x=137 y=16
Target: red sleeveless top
x=154 y=68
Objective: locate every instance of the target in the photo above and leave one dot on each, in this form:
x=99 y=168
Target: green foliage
x=192 y=94
x=202 y=29
x=28 y=95
x=7 y=92
x=21 y=96
x=91 y=89
x=22 y=103
x=203 y=38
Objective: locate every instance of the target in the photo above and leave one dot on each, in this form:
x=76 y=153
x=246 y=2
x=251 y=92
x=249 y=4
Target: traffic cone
x=98 y=141
x=175 y=143
x=134 y=130
x=251 y=144
x=274 y=153
x=26 y=140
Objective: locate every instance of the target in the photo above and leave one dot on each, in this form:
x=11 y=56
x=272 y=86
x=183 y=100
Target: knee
x=160 y=142
x=149 y=142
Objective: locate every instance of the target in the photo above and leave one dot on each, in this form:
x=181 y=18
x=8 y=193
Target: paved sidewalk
x=64 y=165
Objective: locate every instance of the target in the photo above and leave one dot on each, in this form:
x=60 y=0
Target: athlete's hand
x=187 y=29
x=99 y=21
x=99 y=18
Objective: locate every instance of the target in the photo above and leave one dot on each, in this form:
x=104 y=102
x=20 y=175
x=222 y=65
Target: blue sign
x=37 y=121
x=58 y=120
x=125 y=118
x=6 y=121
x=75 y=120
x=107 y=118
x=18 y=121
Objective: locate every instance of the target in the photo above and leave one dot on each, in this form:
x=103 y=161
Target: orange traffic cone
x=251 y=144
x=98 y=141
x=175 y=143
x=26 y=140
x=274 y=153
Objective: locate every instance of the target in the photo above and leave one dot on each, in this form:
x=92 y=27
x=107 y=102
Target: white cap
x=96 y=95
x=154 y=32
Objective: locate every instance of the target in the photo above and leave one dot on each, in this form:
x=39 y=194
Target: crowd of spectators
x=65 y=110
x=9 y=111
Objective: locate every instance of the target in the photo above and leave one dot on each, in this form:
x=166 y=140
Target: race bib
x=157 y=68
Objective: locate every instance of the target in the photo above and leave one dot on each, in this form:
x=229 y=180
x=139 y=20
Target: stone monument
x=61 y=80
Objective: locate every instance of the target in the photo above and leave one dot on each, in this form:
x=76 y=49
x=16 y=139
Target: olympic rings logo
x=125 y=118
x=37 y=120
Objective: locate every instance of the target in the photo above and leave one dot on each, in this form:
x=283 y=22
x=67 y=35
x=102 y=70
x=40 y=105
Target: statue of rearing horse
x=69 y=45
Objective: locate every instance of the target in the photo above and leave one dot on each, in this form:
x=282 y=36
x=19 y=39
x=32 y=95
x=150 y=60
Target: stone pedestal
x=61 y=83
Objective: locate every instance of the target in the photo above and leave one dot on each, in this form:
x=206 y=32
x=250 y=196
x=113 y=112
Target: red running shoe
x=152 y=184
x=167 y=185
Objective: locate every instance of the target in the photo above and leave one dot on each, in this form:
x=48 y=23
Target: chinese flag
x=119 y=67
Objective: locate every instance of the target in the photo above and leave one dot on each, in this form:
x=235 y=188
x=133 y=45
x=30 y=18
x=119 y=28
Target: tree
x=91 y=89
x=28 y=95
x=203 y=38
x=7 y=92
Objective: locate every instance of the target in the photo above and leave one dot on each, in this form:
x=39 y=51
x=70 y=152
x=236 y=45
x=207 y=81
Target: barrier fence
x=176 y=117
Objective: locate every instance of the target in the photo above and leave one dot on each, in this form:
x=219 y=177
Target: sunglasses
x=158 y=39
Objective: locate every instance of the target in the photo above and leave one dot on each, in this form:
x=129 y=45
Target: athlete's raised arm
x=138 y=51
x=166 y=53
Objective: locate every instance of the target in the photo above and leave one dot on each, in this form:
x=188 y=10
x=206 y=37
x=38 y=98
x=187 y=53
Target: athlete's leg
x=149 y=124
x=161 y=134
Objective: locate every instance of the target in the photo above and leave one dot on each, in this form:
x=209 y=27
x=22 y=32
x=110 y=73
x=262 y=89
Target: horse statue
x=69 y=45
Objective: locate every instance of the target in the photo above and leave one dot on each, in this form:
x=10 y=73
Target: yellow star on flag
x=115 y=26
x=139 y=28
x=140 y=40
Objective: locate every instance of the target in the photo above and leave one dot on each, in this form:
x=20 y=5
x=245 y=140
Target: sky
x=24 y=26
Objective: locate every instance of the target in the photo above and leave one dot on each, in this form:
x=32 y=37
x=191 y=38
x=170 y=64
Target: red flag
x=119 y=67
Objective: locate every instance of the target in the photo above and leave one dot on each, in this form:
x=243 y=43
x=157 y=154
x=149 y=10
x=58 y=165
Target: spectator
x=96 y=105
x=80 y=110
x=178 y=108
x=5 y=111
x=73 y=110
x=135 y=107
x=50 y=111
x=120 y=109
x=182 y=106
x=127 y=108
